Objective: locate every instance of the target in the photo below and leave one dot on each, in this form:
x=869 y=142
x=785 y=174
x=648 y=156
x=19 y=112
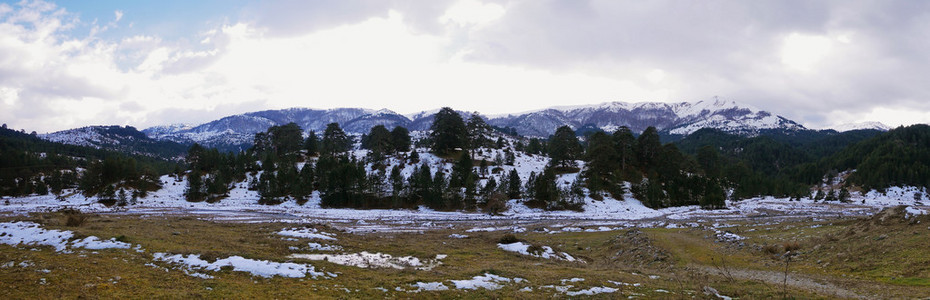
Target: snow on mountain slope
x=861 y=125
x=675 y=118
x=124 y=139
x=237 y=131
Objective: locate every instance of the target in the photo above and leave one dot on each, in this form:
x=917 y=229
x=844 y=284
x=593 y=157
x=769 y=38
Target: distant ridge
x=236 y=132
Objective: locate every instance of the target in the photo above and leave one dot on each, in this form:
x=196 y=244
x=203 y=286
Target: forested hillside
x=466 y=164
x=31 y=165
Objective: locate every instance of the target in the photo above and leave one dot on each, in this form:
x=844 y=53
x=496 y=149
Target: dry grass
x=124 y=274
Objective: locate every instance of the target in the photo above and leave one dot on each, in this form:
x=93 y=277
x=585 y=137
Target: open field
x=882 y=256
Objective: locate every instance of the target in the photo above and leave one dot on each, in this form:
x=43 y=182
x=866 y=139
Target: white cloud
x=472 y=12
x=803 y=52
x=491 y=57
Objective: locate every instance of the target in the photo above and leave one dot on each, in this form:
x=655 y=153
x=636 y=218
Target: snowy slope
x=237 y=131
x=124 y=139
x=676 y=118
x=861 y=125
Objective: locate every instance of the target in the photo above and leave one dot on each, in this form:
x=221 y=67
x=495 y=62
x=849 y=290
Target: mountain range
x=237 y=131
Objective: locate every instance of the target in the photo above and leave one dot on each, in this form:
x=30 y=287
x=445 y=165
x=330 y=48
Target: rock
x=710 y=291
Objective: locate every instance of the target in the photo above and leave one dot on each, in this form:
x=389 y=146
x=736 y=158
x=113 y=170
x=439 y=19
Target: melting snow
x=546 y=251
x=94 y=243
x=307 y=233
x=592 y=291
x=261 y=268
x=323 y=247
x=487 y=281
x=32 y=234
x=374 y=260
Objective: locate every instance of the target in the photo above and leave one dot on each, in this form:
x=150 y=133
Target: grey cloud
x=199 y=116
x=726 y=48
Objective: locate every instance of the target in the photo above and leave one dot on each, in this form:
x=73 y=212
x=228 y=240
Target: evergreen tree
x=564 y=148
x=306 y=181
x=448 y=132
x=601 y=158
x=335 y=141
x=714 y=197
x=477 y=131
x=513 y=185
x=649 y=148
x=626 y=153
x=461 y=170
x=379 y=141
x=194 y=191
x=397 y=186
x=312 y=144
x=400 y=138
x=843 y=195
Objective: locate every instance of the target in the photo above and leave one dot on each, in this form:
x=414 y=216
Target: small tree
x=514 y=184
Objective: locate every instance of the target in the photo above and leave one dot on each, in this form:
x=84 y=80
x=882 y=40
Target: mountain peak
x=861 y=125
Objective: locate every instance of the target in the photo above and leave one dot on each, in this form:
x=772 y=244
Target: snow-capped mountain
x=237 y=131
x=860 y=126
x=124 y=139
x=675 y=118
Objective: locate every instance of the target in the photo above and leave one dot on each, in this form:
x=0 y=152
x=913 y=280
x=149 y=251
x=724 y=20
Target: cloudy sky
x=74 y=63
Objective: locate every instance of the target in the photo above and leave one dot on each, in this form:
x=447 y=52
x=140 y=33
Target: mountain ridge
x=235 y=132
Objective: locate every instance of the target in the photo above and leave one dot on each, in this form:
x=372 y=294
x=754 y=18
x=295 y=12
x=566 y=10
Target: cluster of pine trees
x=31 y=165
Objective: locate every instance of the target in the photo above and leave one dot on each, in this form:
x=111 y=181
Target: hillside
x=121 y=139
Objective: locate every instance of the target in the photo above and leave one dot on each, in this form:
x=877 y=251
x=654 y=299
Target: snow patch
x=261 y=268
x=545 y=251
x=374 y=260
x=307 y=233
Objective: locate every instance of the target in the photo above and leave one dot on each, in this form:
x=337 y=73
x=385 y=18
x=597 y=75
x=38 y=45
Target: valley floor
x=164 y=247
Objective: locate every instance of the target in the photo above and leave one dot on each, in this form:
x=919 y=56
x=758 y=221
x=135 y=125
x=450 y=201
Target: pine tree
x=400 y=138
x=478 y=131
x=649 y=148
x=194 y=190
x=397 y=186
x=513 y=185
x=335 y=141
x=312 y=144
x=564 y=148
x=844 y=195
x=461 y=170
x=601 y=161
x=448 y=132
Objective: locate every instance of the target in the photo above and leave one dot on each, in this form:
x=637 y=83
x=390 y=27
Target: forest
x=383 y=168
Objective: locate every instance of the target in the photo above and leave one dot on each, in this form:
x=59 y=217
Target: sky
x=71 y=63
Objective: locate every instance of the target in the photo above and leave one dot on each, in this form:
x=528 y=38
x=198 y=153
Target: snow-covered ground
x=242 y=204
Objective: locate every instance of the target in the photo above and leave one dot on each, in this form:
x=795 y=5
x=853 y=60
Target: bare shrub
x=791 y=246
x=496 y=204
x=772 y=249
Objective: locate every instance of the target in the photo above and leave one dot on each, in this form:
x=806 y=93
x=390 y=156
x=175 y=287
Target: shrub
x=792 y=246
x=772 y=249
x=508 y=239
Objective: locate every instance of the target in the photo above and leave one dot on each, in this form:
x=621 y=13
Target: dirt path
x=776 y=279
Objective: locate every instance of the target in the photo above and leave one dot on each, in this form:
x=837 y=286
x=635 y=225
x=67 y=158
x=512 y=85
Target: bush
x=75 y=219
x=496 y=204
x=792 y=246
x=508 y=239
x=772 y=249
